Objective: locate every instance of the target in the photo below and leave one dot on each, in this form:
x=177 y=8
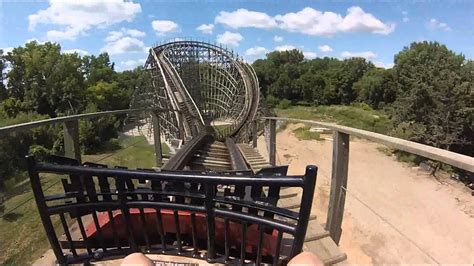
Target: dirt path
x=405 y=215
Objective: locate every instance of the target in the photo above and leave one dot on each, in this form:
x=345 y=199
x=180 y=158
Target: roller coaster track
x=216 y=97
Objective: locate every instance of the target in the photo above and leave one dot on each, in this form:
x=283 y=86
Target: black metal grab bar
x=119 y=211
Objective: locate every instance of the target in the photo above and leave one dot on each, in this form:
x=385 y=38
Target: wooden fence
x=340 y=160
x=71 y=129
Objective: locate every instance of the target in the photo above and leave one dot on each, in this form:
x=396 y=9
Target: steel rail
x=217 y=178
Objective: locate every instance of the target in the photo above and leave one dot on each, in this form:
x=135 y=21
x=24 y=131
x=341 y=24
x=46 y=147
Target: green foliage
x=98 y=68
x=377 y=88
x=284 y=104
x=435 y=98
x=108 y=96
x=354 y=116
x=428 y=94
x=39 y=152
x=271 y=101
x=304 y=133
x=44 y=83
x=11 y=107
x=15 y=147
x=94 y=134
x=285 y=75
x=352 y=70
x=45 y=80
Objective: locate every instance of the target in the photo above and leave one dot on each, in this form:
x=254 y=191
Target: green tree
x=312 y=87
x=352 y=70
x=131 y=80
x=434 y=96
x=377 y=88
x=98 y=68
x=45 y=80
x=108 y=96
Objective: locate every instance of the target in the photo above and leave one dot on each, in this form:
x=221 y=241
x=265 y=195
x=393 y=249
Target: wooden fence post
x=271 y=131
x=72 y=148
x=155 y=119
x=337 y=197
x=254 y=133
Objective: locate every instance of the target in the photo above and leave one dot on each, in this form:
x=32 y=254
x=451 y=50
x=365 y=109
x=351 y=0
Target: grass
x=221 y=129
x=353 y=116
x=22 y=237
x=303 y=133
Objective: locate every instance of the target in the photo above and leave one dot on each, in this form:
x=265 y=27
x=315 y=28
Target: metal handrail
x=126 y=218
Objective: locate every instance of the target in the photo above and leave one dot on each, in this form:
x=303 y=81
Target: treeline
x=42 y=82
x=428 y=94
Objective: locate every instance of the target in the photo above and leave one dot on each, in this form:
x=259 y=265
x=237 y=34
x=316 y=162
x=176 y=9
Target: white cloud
x=35 y=40
x=115 y=35
x=205 y=28
x=367 y=54
x=405 y=16
x=6 y=50
x=357 y=20
x=124 y=45
x=277 y=38
x=243 y=18
x=78 y=51
x=314 y=22
x=130 y=64
x=134 y=32
x=383 y=65
x=70 y=33
x=162 y=27
x=77 y=17
x=256 y=51
x=230 y=38
x=285 y=47
x=325 y=48
x=435 y=24
x=309 y=55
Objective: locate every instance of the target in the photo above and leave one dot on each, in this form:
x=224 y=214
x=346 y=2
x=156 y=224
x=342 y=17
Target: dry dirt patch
x=394 y=213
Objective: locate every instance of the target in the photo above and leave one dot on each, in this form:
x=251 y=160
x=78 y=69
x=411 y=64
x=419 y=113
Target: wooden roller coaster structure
x=216 y=198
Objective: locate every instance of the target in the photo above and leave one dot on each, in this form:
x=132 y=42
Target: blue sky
x=126 y=29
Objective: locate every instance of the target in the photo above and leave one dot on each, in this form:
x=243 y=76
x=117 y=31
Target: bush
x=284 y=104
x=16 y=146
x=271 y=101
x=39 y=152
x=362 y=106
x=95 y=134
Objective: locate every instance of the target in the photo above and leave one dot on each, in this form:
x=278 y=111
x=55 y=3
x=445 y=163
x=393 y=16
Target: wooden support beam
x=271 y=131
x=182 y=134
x=337 y=197
x=155 y=119
x=254 y=133
x=72 y=148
